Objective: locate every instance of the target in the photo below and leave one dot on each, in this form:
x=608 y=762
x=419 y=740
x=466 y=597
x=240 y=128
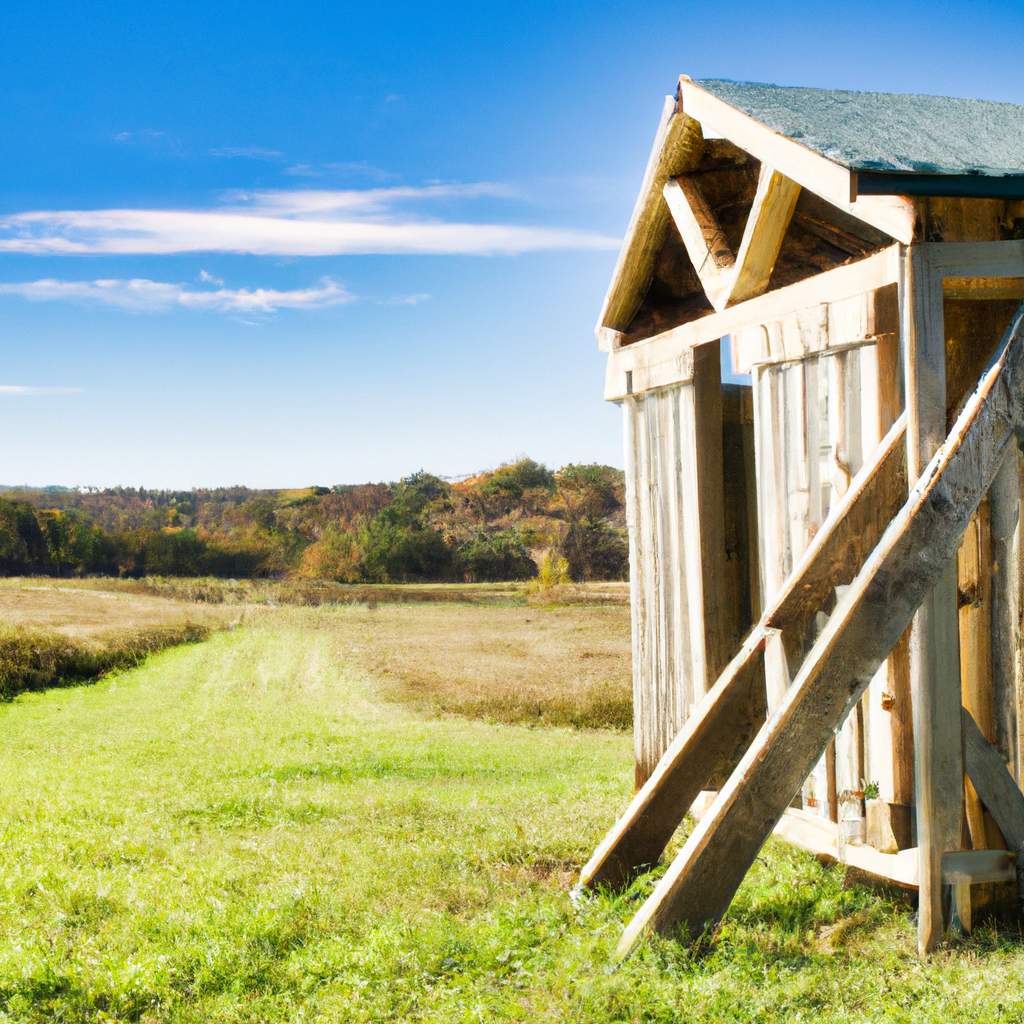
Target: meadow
x=367 y=814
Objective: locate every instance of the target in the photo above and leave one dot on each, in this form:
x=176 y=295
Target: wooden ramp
x=904 y=563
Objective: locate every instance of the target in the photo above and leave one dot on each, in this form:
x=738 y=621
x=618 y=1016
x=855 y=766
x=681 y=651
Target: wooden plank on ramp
x=910 y=558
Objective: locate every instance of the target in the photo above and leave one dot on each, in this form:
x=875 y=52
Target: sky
x=281 y=245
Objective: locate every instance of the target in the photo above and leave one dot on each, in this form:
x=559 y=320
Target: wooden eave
x=686 y=119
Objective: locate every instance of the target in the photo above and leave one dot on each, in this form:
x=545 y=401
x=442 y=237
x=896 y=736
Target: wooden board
x=911 y=557
x=677 y=148
x=934 y=640
x=666 y=358
x=723 y=722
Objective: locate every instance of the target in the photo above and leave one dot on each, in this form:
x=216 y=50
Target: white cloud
x=408 y=300
x=207 y=278
x=32 y=389
x=360 y=168
x=247 y=153
x=301 y=222
x=141 y=295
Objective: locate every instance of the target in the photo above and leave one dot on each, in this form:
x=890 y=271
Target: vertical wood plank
x=974 y=583
x=895 y=701
x=721 y=614
x=1005 y=502
x=630 y=415
x=934 y=647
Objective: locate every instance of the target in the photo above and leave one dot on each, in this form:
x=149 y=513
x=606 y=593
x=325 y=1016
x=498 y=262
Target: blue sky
x=322 y=243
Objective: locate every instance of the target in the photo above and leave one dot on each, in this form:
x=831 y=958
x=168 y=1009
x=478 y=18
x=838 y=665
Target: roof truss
x=727 y=278
x=787 y=167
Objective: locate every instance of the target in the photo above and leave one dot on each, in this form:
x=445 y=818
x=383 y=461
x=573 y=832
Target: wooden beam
x=770 y=214
x=995 y=785
x=983 y=288
x=974 y=586
x=665 y=358
x=726 y=278
x=818 y=836
x=1007 y=682
x=725 y=720
x=892 y=214
x=714 y=613
x=915 y=551
x=703 y=238
x=975 y=259
x=677 y=148
x=934 y=646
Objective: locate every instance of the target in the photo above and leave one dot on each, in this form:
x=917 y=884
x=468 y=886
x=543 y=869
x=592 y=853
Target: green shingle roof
x=888 y=132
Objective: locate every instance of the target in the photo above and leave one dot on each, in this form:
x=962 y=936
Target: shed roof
x=888 y=132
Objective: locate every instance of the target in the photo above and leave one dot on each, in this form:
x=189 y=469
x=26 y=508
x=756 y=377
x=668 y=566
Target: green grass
x=243 y=830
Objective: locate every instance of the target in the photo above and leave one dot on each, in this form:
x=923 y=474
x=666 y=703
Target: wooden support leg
x=998 y=791
x=934 y=643
x=960 y=908
x=938 y=770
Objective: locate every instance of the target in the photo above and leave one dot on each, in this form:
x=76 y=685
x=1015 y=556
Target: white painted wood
x=666 y=358
x=891 y=214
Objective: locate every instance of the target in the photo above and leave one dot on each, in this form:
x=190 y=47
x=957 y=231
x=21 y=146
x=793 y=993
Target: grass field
x=252 y=829
x=53 y=634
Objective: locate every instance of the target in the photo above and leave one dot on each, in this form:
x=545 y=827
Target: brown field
x=58 y=606
x=551 y=665
x=468 y=651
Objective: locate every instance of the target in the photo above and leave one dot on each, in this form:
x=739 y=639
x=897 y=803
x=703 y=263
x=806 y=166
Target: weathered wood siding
x=689 y=567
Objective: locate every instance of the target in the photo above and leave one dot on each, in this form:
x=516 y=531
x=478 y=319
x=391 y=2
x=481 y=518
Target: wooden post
x=713 y=610
x=974 y=580
x=934 y=647
x=1006 y=609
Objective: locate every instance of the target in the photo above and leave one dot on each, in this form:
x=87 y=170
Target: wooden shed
x=814 y=336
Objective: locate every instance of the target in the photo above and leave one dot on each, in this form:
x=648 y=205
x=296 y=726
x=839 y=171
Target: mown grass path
x=244 y=831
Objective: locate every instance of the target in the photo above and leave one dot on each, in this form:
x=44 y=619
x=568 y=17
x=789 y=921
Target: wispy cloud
x=33 y=389
x=337 y=168
x=142 y=135
x=299 y=222
x=407 y=300
x=246 y=153
x=141 y=295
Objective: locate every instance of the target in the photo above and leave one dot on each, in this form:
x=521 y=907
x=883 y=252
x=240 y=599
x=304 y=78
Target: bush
x=596 y=551
x=494 y=557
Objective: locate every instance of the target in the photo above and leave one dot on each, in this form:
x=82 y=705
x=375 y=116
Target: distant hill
x=497 y=525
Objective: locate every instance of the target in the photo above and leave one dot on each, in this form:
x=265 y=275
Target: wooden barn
x=813 y=331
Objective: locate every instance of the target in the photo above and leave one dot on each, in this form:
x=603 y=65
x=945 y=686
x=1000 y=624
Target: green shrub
x=552 y=572
x=494 y=557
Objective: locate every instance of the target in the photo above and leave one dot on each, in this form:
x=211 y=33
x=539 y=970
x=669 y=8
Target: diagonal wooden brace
x=710 y=744
x=910 y=558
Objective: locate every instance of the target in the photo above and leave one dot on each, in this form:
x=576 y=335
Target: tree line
x=498 y=525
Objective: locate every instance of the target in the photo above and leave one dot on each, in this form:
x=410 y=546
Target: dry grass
x=313 y=593
x=52 y=634
x=477 y=651
x=97 y=613
x=545 y=666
